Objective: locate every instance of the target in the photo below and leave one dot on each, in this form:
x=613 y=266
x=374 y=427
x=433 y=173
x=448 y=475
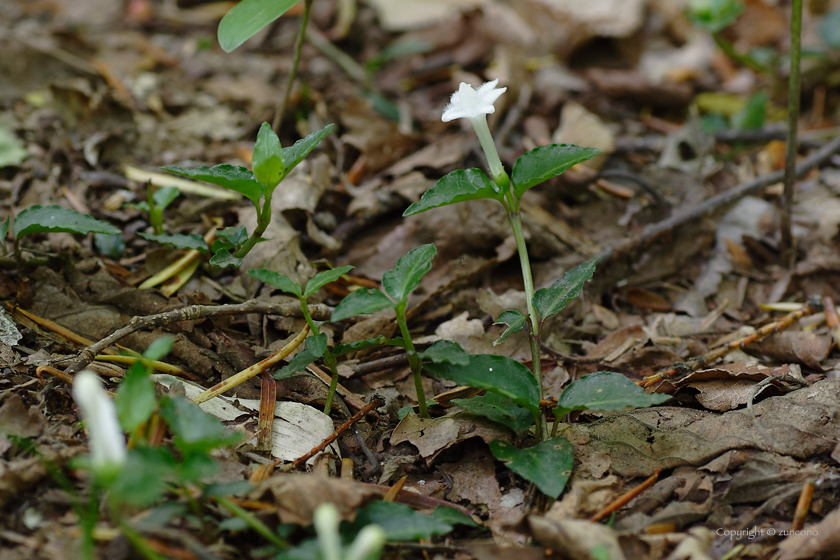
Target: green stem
x=305 y=310
x=788 y=248
x=290 y=81
x=331 y=364
x=139 y=543
x=413 y=360
x=534 y=332
x=263 y=219
x=250 y=520
x=742 y=59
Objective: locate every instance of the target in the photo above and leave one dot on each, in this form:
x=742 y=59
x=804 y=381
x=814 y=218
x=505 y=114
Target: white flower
x=368 y=542
x=107 y=444
x=475 y=105
x=468 y=103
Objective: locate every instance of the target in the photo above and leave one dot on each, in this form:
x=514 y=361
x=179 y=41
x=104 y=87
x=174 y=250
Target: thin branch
x=319 y=312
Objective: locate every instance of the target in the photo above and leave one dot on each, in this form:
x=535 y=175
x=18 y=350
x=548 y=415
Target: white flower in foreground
x=475 y=105
x=368 y=543
x=107 y=444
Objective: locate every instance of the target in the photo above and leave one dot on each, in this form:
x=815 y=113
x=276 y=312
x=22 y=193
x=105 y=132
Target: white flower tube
x=475 y=105
x=326 y=523
x=107 y=443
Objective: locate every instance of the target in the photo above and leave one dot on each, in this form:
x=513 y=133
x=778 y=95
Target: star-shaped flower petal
x=469 y=103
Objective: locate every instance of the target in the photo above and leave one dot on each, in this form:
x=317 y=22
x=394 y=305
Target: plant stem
x=788 y=247
x=139 y=543
x=515 y=219
x=263 y=219
x=251 y=521
x=413 y=360
x=331 y=365
x=743 y=59
x=305 y=310
x=290 y=81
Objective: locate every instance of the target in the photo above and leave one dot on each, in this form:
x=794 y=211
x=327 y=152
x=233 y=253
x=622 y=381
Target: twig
x=290 y=81
x=318 y=312
x=650 y=233
x=706 y=359
x=788 y=247
x=623 y=500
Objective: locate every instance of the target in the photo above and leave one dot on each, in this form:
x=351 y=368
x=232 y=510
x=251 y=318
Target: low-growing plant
x=271 y=164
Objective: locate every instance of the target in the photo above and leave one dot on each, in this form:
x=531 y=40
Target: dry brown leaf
x=575 y=539
x=432 y=435
x=802 y=347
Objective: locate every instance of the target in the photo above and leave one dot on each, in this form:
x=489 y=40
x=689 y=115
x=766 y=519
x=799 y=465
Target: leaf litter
x=154 y=97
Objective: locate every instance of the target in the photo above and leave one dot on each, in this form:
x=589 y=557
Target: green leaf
x=552 y=300
x=159 y=348
x=545 y=162
x=269 y=164
x=236 y=236
x=223 y=259
x=247 y=18
x=164 y=196
x=228 y=176
x=547 y=464
x=279 y=281
x=315 y=348
x=195 y=431
x=42 y=219
x=458 y=186
x=830 y=28
x=498 y=374
x=144 y=477
x=605 y=391
x=323 y=278
x=360 y=345
x=296 y=153
x=498 y=409
x=752 y=114
x=400 y=522
x=714 y=15
x=446 y=351
x=360 y=302
x=453 y=516
x=11 y=151
x=109 y=245
x=515 y=322
x=135 y=400
x=411 y=267
x=195 y=466
x=178 y=240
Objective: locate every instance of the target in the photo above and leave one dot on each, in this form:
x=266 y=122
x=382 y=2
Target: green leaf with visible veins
x=44 y=219
x=279 y=281
x=605 y=391
x=545 y=162
x=515 y=322
x=547 y=464
x=458 y=186
x=233 y=177
x=446 y=351
x=296 y=153
x=552 y=300
x=323 y=278
x=498 y=374
x=267 y=158
x=248 y=18
x=315 y=348
x=361 y=302
x=411 y=267
x=498 y=409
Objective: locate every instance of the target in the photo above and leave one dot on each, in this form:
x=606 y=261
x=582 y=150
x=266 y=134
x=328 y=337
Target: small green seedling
x=271 y=163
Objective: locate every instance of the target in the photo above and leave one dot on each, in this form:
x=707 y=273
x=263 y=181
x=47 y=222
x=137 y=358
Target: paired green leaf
x=552 y=300
x=515 y=322
x=498 y=374
x=178 y=240
x=361 y=302
x=360 y=345
x=498 y=409
x=136 y=400
x=43 y=219
x=223 y=259
x=606 y=391
x=446 y=352
x=411 y=267
x=323 y=278
x=547 y=464
x=545 y=162
x=235 y=236
x=279 y=281
x=247 y=18
x=296 y=153
x=458 y=186
x=195 y=431
x=315 y=348
x=400 y=522
x=228 y=176
x=267 y=157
